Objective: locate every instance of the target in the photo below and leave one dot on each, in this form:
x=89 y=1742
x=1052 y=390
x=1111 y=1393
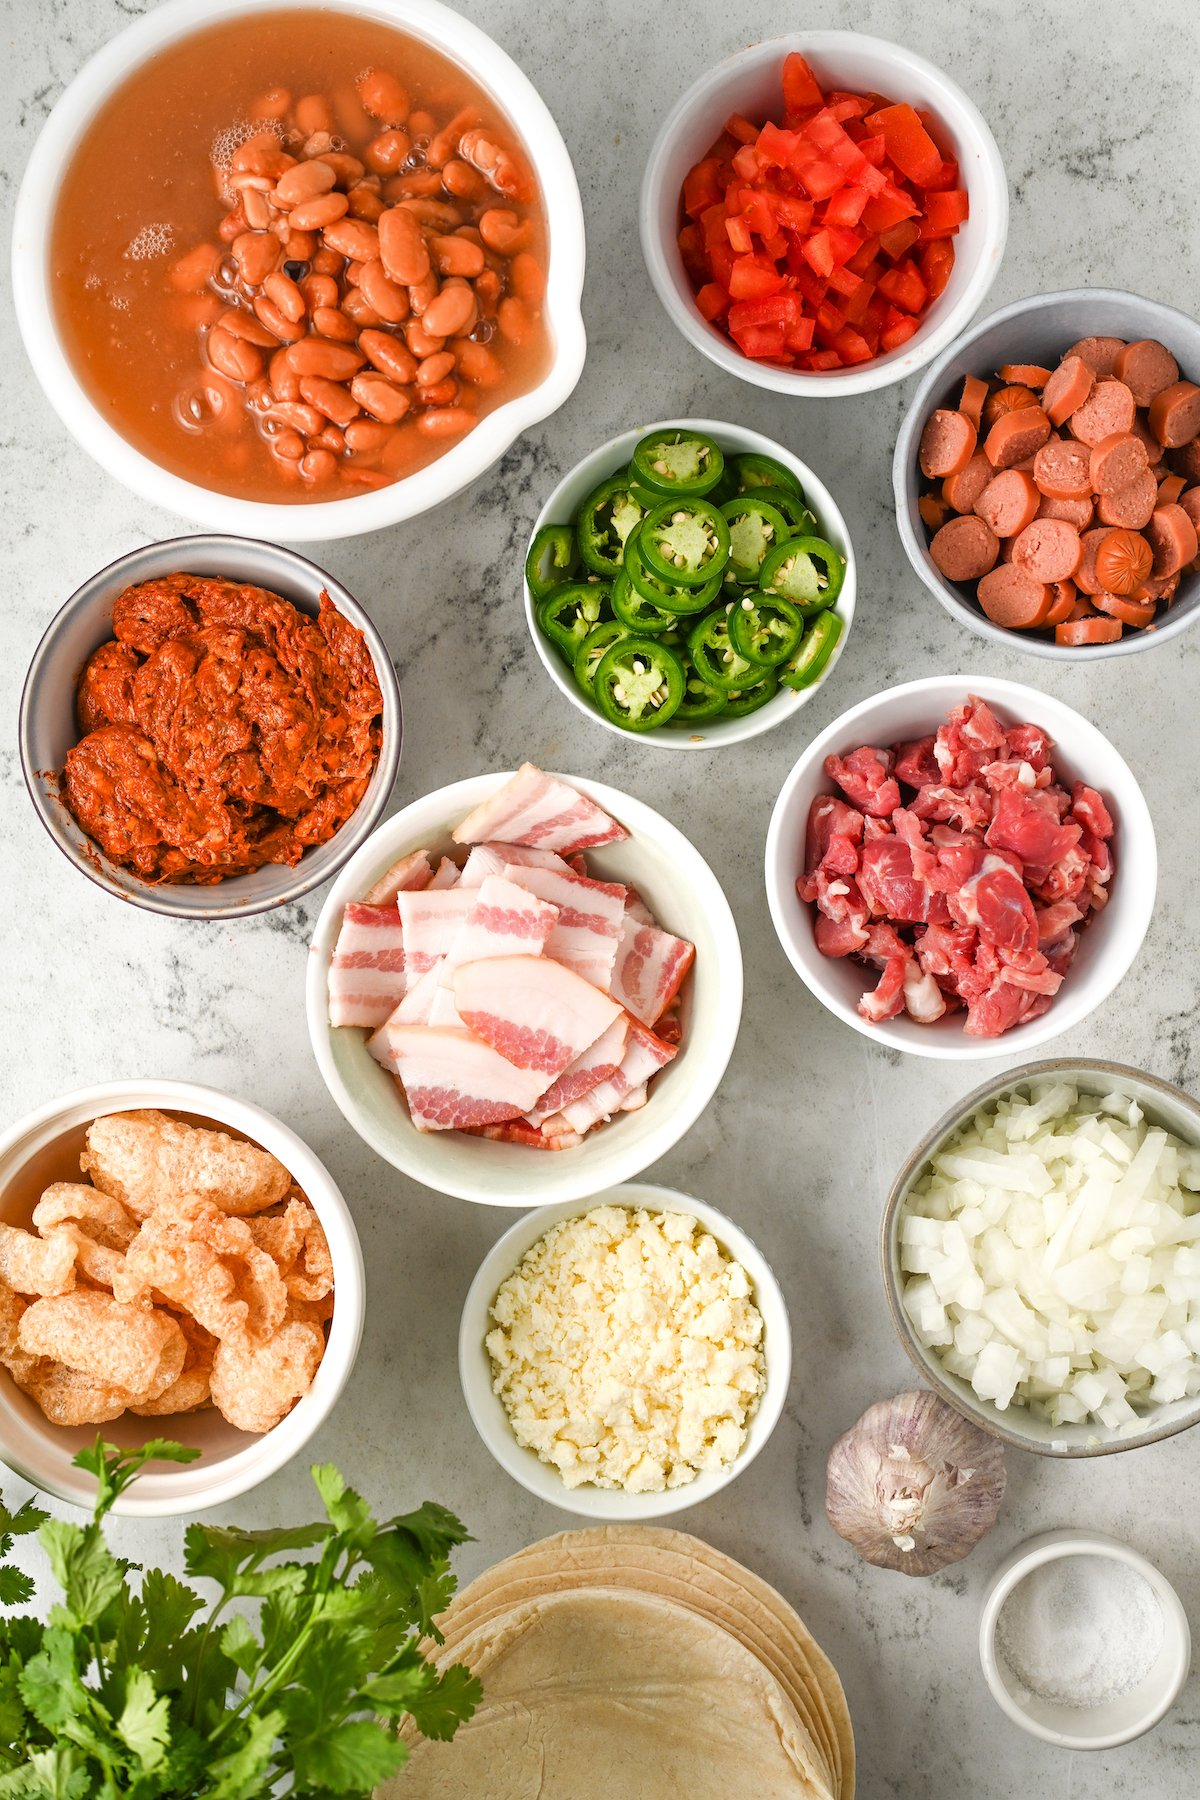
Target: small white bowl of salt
x=1082 y=1641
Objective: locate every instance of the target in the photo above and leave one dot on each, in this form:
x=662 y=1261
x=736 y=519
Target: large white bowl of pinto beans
x=360 y=284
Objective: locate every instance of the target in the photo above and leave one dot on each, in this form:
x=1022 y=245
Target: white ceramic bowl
x=517 y=98
x=1109 y=943
x=487 y=1411
x=1164 y=1105
x=749 y=82
x=44 y=1147
x=683 y=894
x=1113 y=1722
x=1036 y=330
x=734 y=440
x=49 y=726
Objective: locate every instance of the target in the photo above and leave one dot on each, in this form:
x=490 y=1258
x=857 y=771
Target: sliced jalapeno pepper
x=639 y=683
x=635 y=611
x=753 y=471
x=755 y=528
x=713 y=656
x=820 y=642
x=748 y=700
x=800 y=517
x=672 y=599
x=605 y=522
x=805 y=570
x=677 y=463
x=700 y=701
x=551 y=560
x=569 y=611
x=766 y=629
x=587 y=658
x=684 y=542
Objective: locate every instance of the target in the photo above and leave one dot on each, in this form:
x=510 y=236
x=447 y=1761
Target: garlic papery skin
x=914 y=1485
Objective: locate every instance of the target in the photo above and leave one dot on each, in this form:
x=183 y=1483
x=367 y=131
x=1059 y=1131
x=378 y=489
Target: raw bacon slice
x=368 y=972
x=447 y=876
x=504 y=920
x=452 y=1080
x=532 y=1011
x=589 y=923
x=516 y=1131
x=636 y=907
x=599 y=1062
x=538 y=809
x=650 y=968
x=410 y=872
x=644 y=1056
x=413 y=1010
x=493 y=859
x=431 y=923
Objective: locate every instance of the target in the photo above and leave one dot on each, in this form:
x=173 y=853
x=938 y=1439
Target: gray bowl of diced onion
x=952 y=1295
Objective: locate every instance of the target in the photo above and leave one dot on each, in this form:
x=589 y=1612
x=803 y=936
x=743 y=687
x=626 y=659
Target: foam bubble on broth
x=151 y=241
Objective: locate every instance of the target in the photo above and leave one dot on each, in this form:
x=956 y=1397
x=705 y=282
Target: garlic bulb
x=914 y=1485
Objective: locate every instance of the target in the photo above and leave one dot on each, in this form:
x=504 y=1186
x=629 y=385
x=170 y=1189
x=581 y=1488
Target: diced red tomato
x=702 y=187
x=904 y=288
x=712 y=301
x=801 y=88
x=892 y=336
x=742 y=129
x=753 y=277
x=762 y=341
x=899 y=238
x=846 y=206
x=937 y=260
x=909 y=145
x=745 y=162
x=738 y=233
x=944 y=213
x=818 y=253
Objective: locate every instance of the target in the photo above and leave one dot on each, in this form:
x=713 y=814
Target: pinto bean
x=364 y=203
x=439 y=393
x=257 y=209
x=435 y=368
x=420 y=293
x=244 y=325
x=380 y=397
x=357 y=307
x=261 y=154
x=282 y=290
x=234 y=357
x=457 y=256
x=528 y=279
x=383 y=296
x=288 y=444
x=365 y=436
x=271 y=105
x=503 y=231
x=332 y=438
x=444 y=143
x=331 y=322
x=353 y=238
x=383 y=96
x=477 y=365
x=298 y=246
x=314 y=113
x=285 y=329
x=318 y=465
x=284 y=380
x=451 y=312
x=307 y=181
x=514 y=321
x=402 y=249
x=319 y=290
x=461 y=180
x=330 y=398
x=302 y=418
x=327 y=262
x=232 y=225
x=445 y=421
x=317 y=356
x=417 y=183
x=347 y=168
x=422 y=343
x=315 y=215
x=190 y=275
x=389 y=356
x=385 y=153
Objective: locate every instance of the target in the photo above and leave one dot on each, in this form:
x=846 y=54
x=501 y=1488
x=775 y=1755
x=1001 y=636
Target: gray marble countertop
x=1094 y=109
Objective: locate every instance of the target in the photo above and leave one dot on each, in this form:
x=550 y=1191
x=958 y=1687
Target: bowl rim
x=174 y=1490
x=989 y=1419
x=615 y=1505
x=93 y=85
x=895 y=365
x=1011 y=695
x=459 y=798
x=787 y=701
x=961 y=609
x=1053 y=1546
x=357 y=828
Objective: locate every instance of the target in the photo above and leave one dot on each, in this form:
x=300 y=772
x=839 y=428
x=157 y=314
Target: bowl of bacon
x=961 y=867
x=524 y=988
x=173 y=1263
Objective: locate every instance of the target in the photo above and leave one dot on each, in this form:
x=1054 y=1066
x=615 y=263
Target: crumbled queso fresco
x=627 y=1350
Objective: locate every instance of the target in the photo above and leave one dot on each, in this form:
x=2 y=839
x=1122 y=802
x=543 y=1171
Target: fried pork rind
x=147 y=1160
x=96 y=1224
x=256 y=1385
x=208 y=1264
x=138 y=1348
x=293 y=1238
x=192 y=1390
x=36 y=1265
x=69 y=1397
x=18 y=1362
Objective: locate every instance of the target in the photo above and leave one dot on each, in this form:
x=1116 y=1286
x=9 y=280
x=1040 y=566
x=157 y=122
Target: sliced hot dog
x=963 y=489
x=1108 y=408
x=1062 y=600
x=1139 y=613
x=1048 y=550
x=974 y=393
x=1169 y=490
x=1186 y=460
x=1146 y=367
x=1030 y=375
x=1016 y=435
x=1011 y=598
x=933 y=511
x=1062 y=470
x=1067 y=388
x=1141 y=429
x=947 y=443
x=965 y=548
x=1078 y=513
x=1116 y=461
x=1079 y=632
x=1009 y=502
x=1130 y=506
x=1190 y=502
x=1085 y=575
x=1175 y=414
x=1172 y=537
x=1099 y=353
x=1006 y=400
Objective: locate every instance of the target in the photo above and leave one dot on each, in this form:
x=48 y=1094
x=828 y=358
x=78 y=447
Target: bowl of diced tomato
x=823 y=213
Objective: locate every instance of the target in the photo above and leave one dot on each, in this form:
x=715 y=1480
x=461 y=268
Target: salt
x=1080 y=1630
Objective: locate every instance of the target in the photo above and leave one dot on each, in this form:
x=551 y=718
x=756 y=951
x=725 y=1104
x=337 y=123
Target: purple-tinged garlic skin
x=914 y=1485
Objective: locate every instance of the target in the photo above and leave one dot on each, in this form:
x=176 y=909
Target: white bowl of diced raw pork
x=961 y=867
x=524 y=988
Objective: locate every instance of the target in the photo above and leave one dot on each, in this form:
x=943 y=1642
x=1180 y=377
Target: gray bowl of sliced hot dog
x=1047 y=475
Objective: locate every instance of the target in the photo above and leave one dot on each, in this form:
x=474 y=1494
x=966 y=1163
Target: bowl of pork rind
x=173 y=1264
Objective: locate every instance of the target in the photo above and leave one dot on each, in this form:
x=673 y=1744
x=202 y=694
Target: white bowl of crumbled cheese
x=627 y=1355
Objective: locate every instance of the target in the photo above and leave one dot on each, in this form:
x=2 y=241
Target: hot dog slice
x=1078 y=513
x=933 y=510
x=1067 y=389
x=974 y=393
x=1006 y=400
x=1030 y=375
x=1016 y=435
x=965 y=548
x=1169 y=490
x=1108 y=408
x=1062 y=470
x=947 y=443
x=1099 y=353
x=1154 y=450
x=1085 y=575
x=1172 y=537
x=1175 y=414
x=1062 y=600
x=1146 y=368
x=1190 y=503
x=962 y=490
x=1009 y=502
x=1013 y=599
x=1130 y=506
x=1079 y=632
x=1116 y=461
x=1048 y=550
x=1139 y=613
x=1122 y=565
x=1186 y=460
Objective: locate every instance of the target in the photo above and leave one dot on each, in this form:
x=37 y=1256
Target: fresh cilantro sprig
x=292 y=1681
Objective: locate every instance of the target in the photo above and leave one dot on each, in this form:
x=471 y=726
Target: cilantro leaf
x=238 y=1774
x=86 y=1570
x=348 y=1512
x=440 y=1712
x=234 y=1558
x=241 y=1646
x=56 y=1774
x=349 y=1759
x=145 y=1721
x=115 y=1468
x=15 y=1587
x=21 y=1523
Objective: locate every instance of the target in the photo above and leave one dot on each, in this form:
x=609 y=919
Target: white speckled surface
x=1094 y=109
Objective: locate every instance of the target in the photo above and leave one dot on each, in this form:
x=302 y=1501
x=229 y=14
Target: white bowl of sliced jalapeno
x=689 y=582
